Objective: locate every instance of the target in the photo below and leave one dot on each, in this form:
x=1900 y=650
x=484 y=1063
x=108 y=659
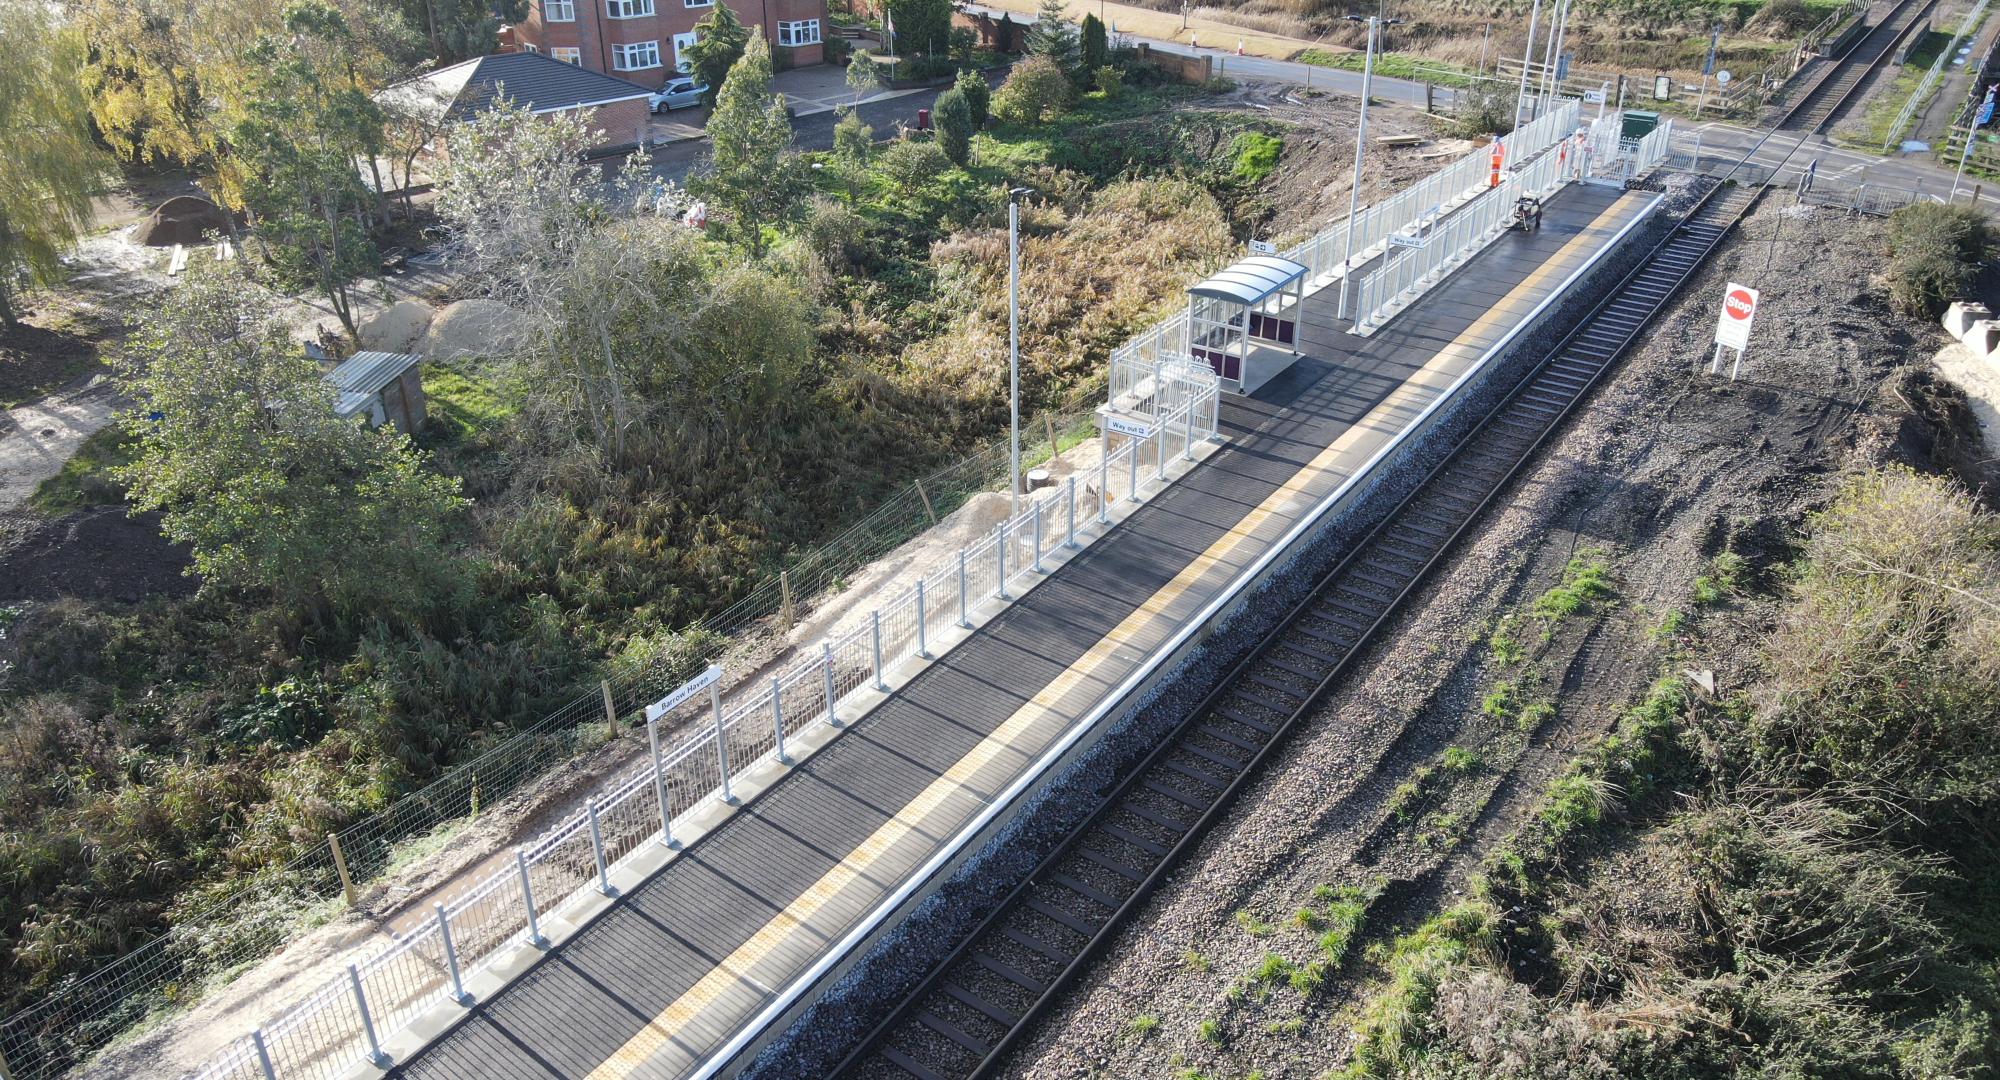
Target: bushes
x=911 y=164
x=954 y=126
x=1034 y=90
x=978 y=96
x=1934 y=252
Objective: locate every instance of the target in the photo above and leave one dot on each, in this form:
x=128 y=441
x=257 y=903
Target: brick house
x=641 y=40
x=538 y=83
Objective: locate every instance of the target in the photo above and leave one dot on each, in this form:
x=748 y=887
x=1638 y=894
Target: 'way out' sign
x=1739 y=309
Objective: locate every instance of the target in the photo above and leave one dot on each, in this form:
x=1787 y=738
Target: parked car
x=677 y=94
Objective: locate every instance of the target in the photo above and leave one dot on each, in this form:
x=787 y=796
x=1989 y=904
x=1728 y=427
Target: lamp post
x=1375 y=23
x=1527 y=58
x=1014 y=197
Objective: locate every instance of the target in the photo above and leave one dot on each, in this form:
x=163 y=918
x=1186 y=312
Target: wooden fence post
x=1049 y=422
x=610 y=711
x=929 y=510
x=340 y=867
x=785 y=610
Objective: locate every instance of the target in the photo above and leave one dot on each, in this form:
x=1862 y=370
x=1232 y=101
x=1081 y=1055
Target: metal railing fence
x=1404 y=277
x=344 y=1022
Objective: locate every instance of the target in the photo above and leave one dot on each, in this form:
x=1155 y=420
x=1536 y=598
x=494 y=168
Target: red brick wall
x=593 y=33
x=623 y=122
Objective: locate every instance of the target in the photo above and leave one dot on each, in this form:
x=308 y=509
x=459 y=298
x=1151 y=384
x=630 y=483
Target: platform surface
x=678 y=965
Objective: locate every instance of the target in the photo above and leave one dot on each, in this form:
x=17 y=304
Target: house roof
x=1250 y=281
x=537 y=82
x=360 y=377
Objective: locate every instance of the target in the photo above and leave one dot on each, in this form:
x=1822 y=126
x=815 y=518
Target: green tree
x=1053 y=35
x=978 y=96
x=954 y=126
x=1095 y=48
x=720 y=38
x=461 y=29
x=252 y=470
x=751 y=171
x=297 y=136
x=51 y=164
x=922 y=25
x=1034 y=89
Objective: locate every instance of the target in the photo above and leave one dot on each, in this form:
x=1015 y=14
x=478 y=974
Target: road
x=1720 y=141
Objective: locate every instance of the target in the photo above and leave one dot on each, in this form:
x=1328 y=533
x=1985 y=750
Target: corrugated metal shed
x=360 y=378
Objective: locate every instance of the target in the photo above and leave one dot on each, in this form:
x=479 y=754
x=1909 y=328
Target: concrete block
x=1984 y=340
x=1959 y=317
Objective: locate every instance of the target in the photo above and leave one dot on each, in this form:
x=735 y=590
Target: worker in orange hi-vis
x=1499 y=155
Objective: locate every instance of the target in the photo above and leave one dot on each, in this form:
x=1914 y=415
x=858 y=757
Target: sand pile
x=398 y=328
x=472 y=330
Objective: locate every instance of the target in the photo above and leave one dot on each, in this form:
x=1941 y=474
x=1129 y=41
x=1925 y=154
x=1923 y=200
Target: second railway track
x=975 y=1005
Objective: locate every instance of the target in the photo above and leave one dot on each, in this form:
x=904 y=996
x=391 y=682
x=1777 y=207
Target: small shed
x=1243 y=322
x=385 y=387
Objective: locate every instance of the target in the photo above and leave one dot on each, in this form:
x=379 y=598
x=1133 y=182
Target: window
x=645 y=54
x=698 y=3
x=567 y=56
x=628 y=9
x=559 y=10
x=529 y=46
x=803 y=32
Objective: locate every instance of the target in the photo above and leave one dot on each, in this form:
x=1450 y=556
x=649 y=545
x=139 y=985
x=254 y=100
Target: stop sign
x=1739 y=309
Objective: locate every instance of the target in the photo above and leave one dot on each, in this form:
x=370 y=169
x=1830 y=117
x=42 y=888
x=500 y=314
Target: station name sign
x=689 y=689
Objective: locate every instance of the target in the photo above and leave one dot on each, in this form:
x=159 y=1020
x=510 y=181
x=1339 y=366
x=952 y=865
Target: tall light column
x=1014 y=349
x=1360 y=145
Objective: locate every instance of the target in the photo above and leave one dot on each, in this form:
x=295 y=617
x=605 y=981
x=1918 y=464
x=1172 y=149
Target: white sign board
x=1739 y=309
x=1594 y=97
x=1722 y=77
x=1123 y=426
x=1263 y=247
x=1663 y=88
x=693 y=686
x=1400 y=240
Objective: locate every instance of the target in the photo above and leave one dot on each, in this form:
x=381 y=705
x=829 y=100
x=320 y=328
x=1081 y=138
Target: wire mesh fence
x=343 y=1023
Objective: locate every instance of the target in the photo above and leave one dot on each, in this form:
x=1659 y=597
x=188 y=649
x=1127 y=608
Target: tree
x=51 y=165
x=461 y=29
x=302 y=127
x=922 y=25
x=1053 y=35
x=1095 y=49
x=1035 y=88
x=719 y=41
x=141 y=77
x=239 y=448
x=954 y=126
x=751 y=171
x=978 y=96
x=415 y=117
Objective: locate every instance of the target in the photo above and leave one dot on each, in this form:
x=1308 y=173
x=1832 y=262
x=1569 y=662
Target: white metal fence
x=1921 y=96
x=343 y=1024
x=1409 y=275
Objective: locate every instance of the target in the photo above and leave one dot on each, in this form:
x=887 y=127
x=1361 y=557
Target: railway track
x=1817 y=107
x=974 y=1006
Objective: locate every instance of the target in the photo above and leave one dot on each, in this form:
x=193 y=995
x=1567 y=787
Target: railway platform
x=677 y=976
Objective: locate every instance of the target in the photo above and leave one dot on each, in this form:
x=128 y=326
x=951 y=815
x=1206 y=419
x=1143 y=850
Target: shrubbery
x=1934 y=253
x=1035 y=89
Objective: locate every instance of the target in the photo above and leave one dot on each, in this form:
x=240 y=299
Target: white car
x=677 y=94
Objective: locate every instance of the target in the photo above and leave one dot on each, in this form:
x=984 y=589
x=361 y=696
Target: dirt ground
x=1665 y=468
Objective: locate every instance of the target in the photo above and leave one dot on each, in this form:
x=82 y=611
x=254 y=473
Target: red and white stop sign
x=1739 y=309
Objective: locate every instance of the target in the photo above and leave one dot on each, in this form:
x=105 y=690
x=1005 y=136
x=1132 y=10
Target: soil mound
x=398 y=328
x=183 y=219
x=472 y=330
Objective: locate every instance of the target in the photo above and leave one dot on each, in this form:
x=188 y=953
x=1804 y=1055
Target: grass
x=1725 y=575
x=1504 y=646
x=1141 y=1025
x=1459 y=760
x=1256 y=155
x=1586 y=579
x=1416 y=962
x=1195 y=961
x=1392 y=66
x=1251 y=924
x=465 y=405
x=85 y=479
x=1210 y=1031
x=1501 y=701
